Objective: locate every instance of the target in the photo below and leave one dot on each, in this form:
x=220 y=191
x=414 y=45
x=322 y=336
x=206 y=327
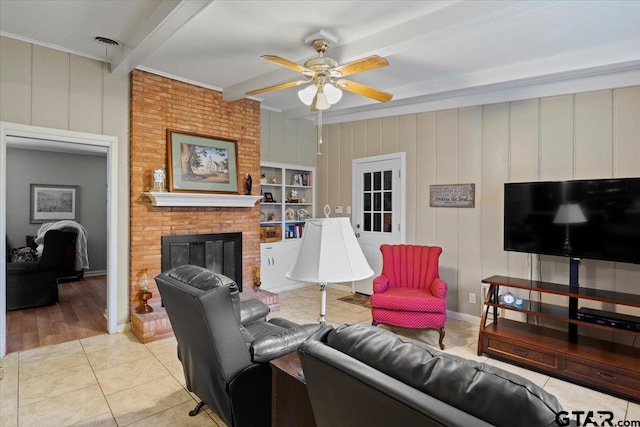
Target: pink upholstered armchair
x=409 y=292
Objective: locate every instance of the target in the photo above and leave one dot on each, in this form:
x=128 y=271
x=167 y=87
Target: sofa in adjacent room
x=35 y=283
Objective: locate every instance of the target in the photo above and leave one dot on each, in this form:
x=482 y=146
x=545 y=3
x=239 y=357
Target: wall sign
x=452 y=196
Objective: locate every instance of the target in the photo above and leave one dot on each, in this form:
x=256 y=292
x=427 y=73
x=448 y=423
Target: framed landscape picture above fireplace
x=202 y=163
x=54 y=203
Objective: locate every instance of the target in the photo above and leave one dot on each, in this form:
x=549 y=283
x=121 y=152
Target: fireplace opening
x=220 y=253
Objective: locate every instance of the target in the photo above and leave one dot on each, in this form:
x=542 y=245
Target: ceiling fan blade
x=289 y=64
x=365 y=64
x=363 y=90
x=276 y=87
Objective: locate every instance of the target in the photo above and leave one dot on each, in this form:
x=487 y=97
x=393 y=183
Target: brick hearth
x=154 y=326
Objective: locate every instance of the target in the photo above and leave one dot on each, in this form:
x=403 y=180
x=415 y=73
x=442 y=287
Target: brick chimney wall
x=157 y=104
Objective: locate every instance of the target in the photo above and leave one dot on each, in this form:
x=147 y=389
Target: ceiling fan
x=326 y=78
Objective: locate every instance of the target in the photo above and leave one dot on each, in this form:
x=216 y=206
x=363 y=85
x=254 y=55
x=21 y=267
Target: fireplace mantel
x=201 y=199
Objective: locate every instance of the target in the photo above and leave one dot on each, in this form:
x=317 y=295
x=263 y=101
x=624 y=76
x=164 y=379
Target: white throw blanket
x=82 y=260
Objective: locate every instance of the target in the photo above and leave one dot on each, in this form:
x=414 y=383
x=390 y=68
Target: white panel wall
x=585 y=135
x=469 y=261
x=359 y=147
x=426 y=158
x=407 y=144
x=332 y=146
x=447 y=218
x=293 y=142
x=556 y=162
x=322 y=172
x=15 y=81
x=594 y=160
x=345 y=166
x=626 y=152
x=523 y=166
x=374 y=137
x=276 y=137
x=85 y=95
x=44 y=87
x=50 y=90
x=495 y=172
x=626 y=128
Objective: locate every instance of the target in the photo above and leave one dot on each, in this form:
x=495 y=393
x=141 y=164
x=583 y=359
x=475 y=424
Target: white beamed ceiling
x=440 y=52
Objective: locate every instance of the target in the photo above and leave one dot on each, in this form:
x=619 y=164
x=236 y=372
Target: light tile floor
x=114 y=380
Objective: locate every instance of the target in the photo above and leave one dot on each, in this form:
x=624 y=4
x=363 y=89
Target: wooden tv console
x=596 y=363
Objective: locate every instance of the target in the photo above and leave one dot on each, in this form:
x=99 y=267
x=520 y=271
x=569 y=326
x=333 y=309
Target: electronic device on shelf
x=608 y=318
x=595 y=219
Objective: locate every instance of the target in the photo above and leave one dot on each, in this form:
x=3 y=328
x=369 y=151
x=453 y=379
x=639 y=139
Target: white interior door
x=378 y=208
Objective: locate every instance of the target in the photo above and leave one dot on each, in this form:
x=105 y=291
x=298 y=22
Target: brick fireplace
x=157 y=104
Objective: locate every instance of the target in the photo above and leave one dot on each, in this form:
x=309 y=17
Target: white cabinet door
x=292 y=249
x=272 y=265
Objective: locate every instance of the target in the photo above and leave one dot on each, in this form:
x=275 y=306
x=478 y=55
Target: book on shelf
x=306 y=179
x=294 y=231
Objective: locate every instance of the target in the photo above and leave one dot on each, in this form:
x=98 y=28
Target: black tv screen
x=596 y=219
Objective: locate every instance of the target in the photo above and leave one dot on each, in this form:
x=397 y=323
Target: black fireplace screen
x=220 y=253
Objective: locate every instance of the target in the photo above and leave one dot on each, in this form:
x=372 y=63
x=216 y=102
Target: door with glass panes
x=378 y=208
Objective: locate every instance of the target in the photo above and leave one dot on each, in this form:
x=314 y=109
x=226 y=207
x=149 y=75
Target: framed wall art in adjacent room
x=202 y=163
x=54 y=203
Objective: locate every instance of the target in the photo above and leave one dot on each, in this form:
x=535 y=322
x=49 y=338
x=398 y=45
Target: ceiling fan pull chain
x=319 y=131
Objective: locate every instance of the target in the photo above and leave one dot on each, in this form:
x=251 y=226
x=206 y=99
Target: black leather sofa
x=225 y=344
x=359 y=375
x=35 y=284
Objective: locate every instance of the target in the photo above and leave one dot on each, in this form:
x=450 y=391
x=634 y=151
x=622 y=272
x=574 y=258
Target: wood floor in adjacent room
x=79 y=314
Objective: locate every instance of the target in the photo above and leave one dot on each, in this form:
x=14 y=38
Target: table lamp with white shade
x=329 y=253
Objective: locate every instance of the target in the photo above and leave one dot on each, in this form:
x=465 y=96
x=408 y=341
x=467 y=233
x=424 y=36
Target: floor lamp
x=329 y=253
x=569 y=214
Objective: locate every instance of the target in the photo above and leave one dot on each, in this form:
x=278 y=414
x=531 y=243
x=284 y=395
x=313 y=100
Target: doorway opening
x=26 y=136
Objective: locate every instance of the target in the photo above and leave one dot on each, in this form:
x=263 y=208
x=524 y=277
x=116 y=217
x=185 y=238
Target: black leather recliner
x=35 y=284
x=225 y=344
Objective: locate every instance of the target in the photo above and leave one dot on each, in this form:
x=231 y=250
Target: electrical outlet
x=338 y=209
x=472 y=298
x=349 y=210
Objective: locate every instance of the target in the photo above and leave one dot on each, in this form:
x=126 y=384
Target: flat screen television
x=595 y=219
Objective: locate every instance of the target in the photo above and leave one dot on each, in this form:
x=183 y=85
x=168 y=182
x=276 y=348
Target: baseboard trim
x=123 y=327
x=463 y=317
x=90 y=273
x=346 y=288
x=287 y=287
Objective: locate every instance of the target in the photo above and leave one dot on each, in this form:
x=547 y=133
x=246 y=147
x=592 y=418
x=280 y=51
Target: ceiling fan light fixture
x=333 y=93
x=321 y=101
x=307 y=94
x=325 y=76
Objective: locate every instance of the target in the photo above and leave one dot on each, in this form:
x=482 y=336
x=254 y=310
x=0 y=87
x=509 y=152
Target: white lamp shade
x=306 y=95
x=329 y=253
x=569 y=213
x=333 y=93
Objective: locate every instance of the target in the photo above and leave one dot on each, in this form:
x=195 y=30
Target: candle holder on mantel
x=144 y=294
x=256 y=279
